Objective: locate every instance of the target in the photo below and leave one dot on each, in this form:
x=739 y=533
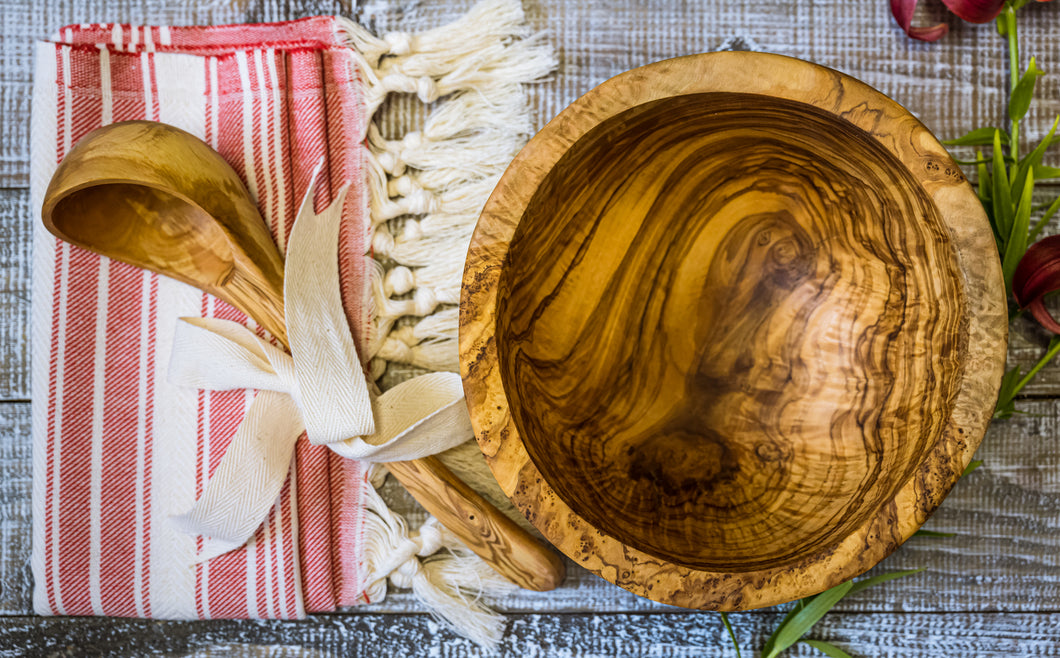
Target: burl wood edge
x=943 y=363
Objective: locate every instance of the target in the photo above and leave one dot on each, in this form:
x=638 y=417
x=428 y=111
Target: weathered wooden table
x=991 y=590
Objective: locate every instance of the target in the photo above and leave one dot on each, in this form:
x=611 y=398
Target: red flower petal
x=976 y=11
x=933 y=33
x=1037 y=275
x=903 y=13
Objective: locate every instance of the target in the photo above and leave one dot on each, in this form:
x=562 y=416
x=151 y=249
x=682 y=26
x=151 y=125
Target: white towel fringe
x=448 y=46
x=429 y=343
x=426 y=190
x=448 y=578
x=421 y=249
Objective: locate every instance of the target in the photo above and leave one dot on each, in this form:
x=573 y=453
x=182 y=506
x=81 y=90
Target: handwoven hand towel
x=118 y=449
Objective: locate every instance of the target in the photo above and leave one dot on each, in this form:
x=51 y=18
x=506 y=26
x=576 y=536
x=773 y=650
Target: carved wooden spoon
x=159 y=198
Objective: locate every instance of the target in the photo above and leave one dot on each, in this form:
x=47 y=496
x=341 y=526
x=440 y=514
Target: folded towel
x=118 y=449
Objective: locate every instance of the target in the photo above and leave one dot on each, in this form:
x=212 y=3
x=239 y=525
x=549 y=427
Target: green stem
x=1054 y=348
x=1012 y=35
x=732 y=635
x=1050 y=211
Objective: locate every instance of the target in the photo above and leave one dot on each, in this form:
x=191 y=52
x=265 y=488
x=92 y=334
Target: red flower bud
x=972 y=11
x=1037 y=275
x=976 y=11
x=903 y=13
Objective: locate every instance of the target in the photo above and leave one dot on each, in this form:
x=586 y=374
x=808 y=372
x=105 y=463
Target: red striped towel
x=117 y=449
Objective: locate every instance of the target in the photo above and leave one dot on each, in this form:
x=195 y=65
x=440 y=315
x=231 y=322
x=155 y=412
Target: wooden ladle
x=156 y=197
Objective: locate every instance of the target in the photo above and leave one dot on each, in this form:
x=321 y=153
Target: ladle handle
x=503 y=544
x=230 y=254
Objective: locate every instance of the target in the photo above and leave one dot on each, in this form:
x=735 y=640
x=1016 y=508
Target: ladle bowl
x=154 y=196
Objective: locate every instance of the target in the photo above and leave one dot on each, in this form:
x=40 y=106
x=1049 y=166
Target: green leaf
x=1024 y=91
x=1016 y=245
x=793 y=629
x=732 y=635
x=972 y=465
x=1046 y=216
x=1003 y=411
x=1001 y=193
x=866 y=583
x=1012 y=383
x=934 y=534
x=1033 y=160
x=984 y=189
x=969 y=163
x=978 y=137
x=827 y=648
x=767 y=648
x=1005 y=399
x=1009 y=382
x=808 y=611
x=1041 y=172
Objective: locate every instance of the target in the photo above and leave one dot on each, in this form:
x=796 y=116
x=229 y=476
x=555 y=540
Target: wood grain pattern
x=732 y=326
x=689 y=635
x=511 y=550
x=1005 y=556
x=16 y=522
x=770 y=243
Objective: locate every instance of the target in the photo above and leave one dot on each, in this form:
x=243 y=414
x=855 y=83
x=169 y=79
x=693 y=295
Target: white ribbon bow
x=320 y=389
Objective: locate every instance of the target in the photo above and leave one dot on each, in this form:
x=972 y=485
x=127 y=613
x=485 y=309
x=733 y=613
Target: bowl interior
x=719 y=331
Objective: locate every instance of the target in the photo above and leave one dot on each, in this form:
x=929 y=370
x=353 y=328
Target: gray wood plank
x=14 y=121
x=952 y=86
x=658 y=635
x=1005 y=555
x=16 y=471
x=16 y=247
x=1006 y=516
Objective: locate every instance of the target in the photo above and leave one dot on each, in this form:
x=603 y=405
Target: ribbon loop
x=332 y=390
x=420 y=417
x=221 y=355
x=249 y=478
x=320 y=388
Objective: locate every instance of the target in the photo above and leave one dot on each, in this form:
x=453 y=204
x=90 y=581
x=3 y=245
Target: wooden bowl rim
x=986 y=328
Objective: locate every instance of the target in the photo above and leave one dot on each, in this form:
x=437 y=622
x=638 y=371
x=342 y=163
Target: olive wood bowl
x=732 y=326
